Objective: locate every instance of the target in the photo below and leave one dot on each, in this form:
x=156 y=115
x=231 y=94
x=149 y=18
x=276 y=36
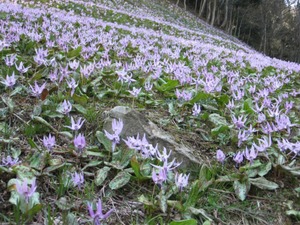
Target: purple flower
x=239 y=157
x=220 y=156
x=78 y=179
x=196 y=109
x=117 y=127
x=239 y=122
x=53 y=76
x=243 y=136
x=98 y=215
x=230 y=104
x=65 y=107
x=76 y=125
x=49 y=142
x=250 y=154
x=21 y=68
x=160 y=177
x=72 y=84
x=37 y=90
x=10 y=60
x=79 y=142
x=9 y=161
x=24 y=190
x=74 y=65
x=135 y=92
x=181 y=180
x=10 y=81
x=148 y=86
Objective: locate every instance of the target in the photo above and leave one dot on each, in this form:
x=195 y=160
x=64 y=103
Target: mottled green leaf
x=241 y=189
x=217 y=120
x=101 y=175
x=184 y=222
x=120 y=180
x=263 y=183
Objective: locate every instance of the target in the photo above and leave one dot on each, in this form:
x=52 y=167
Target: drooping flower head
x=78 y=179
x=220 y=156
x=49 y=142
x=181 y=180
x=98 y=216
x=24 y=190
x=10 y=81
x=79 y=142
x=76 y=125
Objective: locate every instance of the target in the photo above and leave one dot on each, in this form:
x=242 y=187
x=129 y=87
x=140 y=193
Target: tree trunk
x=196 y=4
x=177 y=2
x=184 y=3
x=213 y=13
x=201 y=10
x=226 y=15
x=209 y=12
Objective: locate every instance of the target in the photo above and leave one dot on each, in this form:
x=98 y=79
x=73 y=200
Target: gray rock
x=136 y=123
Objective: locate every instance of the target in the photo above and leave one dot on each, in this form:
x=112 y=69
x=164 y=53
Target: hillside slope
x=65 y=64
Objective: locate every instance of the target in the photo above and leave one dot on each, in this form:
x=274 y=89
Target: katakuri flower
x=79 y=142
x=181 y=180
x=117 y=126
x=78 y=179
x=10 y=81
x=49 y=142
x=220 y=156
x=98 y=216
x=76 y=125
x=24 y=190
x=37 y=90
x=9 y=161
x=65 y=107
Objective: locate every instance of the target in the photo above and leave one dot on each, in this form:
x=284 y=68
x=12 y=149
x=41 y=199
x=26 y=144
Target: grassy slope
x=151 y=31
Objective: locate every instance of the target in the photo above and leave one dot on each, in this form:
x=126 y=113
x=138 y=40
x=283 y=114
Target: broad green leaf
x=63 y=204
x=120 y=180
x=218 y=130
x=37 y=110
x=294 y=213
x=163 y=201
x=255 y=164
x=104 y=140
x=38 y=160
x=92 y=164
x=264 y=169
x=66 y=134
x=193 y=195
x=35 y=208
x=217 y=120
x=169 y=86
x=74 y=53
x=136 y=167
x=248 y=106
x=80 y=99
x=72 y=219
x=32 y=143
x=263 y=183
x=145 y=200
x=201 y=212
x=9 y=103
x=184 y=222
x=55 y=161
x=101 y=175
x=53 y=168
x=80 y=108
x=241 y=189
x=200 y=97
x=16 y=90
x=43 y=121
